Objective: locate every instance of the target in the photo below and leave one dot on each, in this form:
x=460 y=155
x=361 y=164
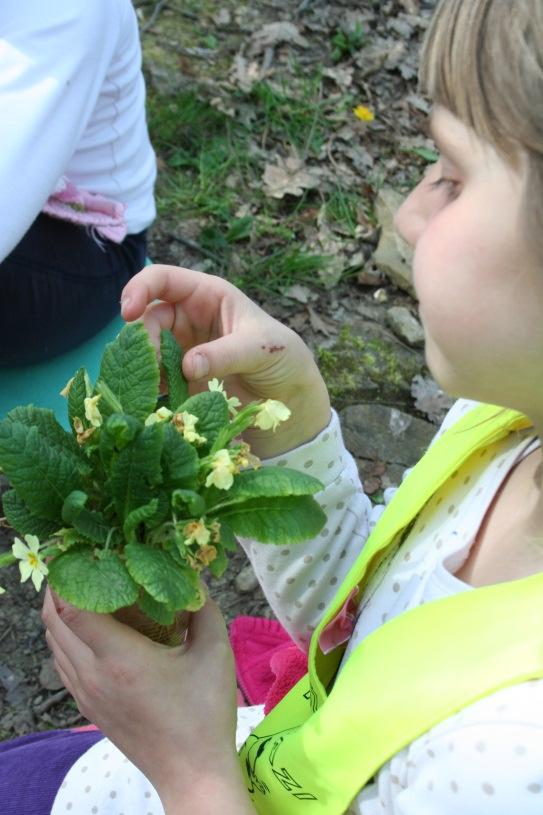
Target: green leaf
x=79 y=390
x=90 y=582
x=49 y=430
x=136 y=470
x=22 y=520
x=218 y=566
x=161 y=613
x=228 y=539
x=42 y=475
x=179 y=460
x=280 y=520
x=130 y=370
x=170 y=360
x=89 y=523
x=161 y=576
x=211 y=409
x=188 y=502
x=137 y=517
x=117 y=431
x=269 y=481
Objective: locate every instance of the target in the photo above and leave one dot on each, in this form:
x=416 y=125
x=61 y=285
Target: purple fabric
x=33 y=767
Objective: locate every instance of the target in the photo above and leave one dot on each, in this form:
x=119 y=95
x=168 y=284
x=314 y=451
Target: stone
x=246 y=581
x=379 y=432
x=393 y=256
x=405 y=326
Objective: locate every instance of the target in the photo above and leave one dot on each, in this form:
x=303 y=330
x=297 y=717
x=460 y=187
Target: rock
x=365 y=365
x=374 y=431
x=49 y=678
x=246 y=581
x=393 y=256
x=405 y=326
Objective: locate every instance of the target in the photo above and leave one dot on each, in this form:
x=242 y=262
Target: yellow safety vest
x=328 y=737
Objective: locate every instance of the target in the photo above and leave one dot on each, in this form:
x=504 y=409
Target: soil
x=31 y=695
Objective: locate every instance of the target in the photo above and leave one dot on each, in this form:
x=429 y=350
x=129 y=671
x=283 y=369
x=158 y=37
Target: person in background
x=77 y=171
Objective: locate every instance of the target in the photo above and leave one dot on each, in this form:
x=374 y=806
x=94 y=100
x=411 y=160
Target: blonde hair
x=483 y=60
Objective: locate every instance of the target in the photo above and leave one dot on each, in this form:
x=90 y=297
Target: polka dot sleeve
x=299 y=581
x=487 y=764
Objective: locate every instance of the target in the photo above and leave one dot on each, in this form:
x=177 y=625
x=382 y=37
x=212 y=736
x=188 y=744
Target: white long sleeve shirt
x=72 y=103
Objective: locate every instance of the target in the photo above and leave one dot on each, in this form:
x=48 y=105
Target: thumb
x=207 y=628
x=239 y=353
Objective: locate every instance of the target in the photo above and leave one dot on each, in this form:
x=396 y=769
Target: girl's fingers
x=64 y=667
x=170 y=283
x=239 y=353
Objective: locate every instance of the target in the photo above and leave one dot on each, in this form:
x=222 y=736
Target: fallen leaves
x=288 y=176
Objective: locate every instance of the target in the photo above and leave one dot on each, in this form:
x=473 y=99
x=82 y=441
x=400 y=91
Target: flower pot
x=172 y=635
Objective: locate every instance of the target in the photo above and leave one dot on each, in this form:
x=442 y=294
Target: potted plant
x=148 y=491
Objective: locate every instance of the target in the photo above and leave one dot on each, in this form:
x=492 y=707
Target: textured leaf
x=22 y=520
x=42 y=475
x=228 y=539
x=280 y=520
x=170 y=360
x=136 y=470
x=269 y=481
x=188 y=502
x=161 y=613
x=117 y=431
x=130 y=369
x=137 y=517
x=49 y=429
x=179 y=460
x=79 y=390
x=160 y=575
x=218 y=566
x=92 y=583
x=89 y=523
x=211 y=409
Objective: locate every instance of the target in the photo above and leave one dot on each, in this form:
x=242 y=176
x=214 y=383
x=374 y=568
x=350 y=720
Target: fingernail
x=125 y=301
x=200 y=366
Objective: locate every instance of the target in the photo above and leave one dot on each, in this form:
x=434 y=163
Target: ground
x=284 y=130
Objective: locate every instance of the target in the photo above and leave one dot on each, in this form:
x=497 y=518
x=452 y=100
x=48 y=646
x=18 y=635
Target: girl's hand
x=225 y=335
x=171 y=711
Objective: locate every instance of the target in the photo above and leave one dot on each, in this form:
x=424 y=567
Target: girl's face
x=480 y=287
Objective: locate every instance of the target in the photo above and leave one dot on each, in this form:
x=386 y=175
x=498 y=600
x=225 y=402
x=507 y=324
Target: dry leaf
x=244 y=74
x=274 y=33
x=317 y=323
x=288 y=177
x=343 y=77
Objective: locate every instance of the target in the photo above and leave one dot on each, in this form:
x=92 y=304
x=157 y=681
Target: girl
x=435 y=705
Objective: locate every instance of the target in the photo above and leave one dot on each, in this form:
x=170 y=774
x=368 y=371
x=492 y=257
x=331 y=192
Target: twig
x=154 y=16
x=50 y=702
x=8 y=630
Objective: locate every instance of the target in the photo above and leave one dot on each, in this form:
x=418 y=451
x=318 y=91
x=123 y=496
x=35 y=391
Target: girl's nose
x=408 y=221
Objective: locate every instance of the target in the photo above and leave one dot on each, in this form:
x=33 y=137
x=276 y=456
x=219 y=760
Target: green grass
x=212 y=167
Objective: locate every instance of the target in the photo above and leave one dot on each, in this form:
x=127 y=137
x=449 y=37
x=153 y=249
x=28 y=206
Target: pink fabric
x=69 y=203
x=341 y=627
x=268 y=662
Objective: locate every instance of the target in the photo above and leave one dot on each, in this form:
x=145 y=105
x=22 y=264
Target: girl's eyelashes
x=449 y=185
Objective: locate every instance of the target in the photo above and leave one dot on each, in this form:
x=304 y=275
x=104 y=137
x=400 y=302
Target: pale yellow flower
x=232 y=401
x=244 y=458
x=271 y=414
x=363 y=113
x=222 y=471
x=197 y=532
x=66 y=389
x=206 y=555
x=92 y=413
x=185 y=423
x=161 y=415
x=82 y=434
x=30 y=561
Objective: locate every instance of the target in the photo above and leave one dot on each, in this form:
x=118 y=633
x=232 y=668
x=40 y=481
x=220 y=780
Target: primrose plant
x=147 y=490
